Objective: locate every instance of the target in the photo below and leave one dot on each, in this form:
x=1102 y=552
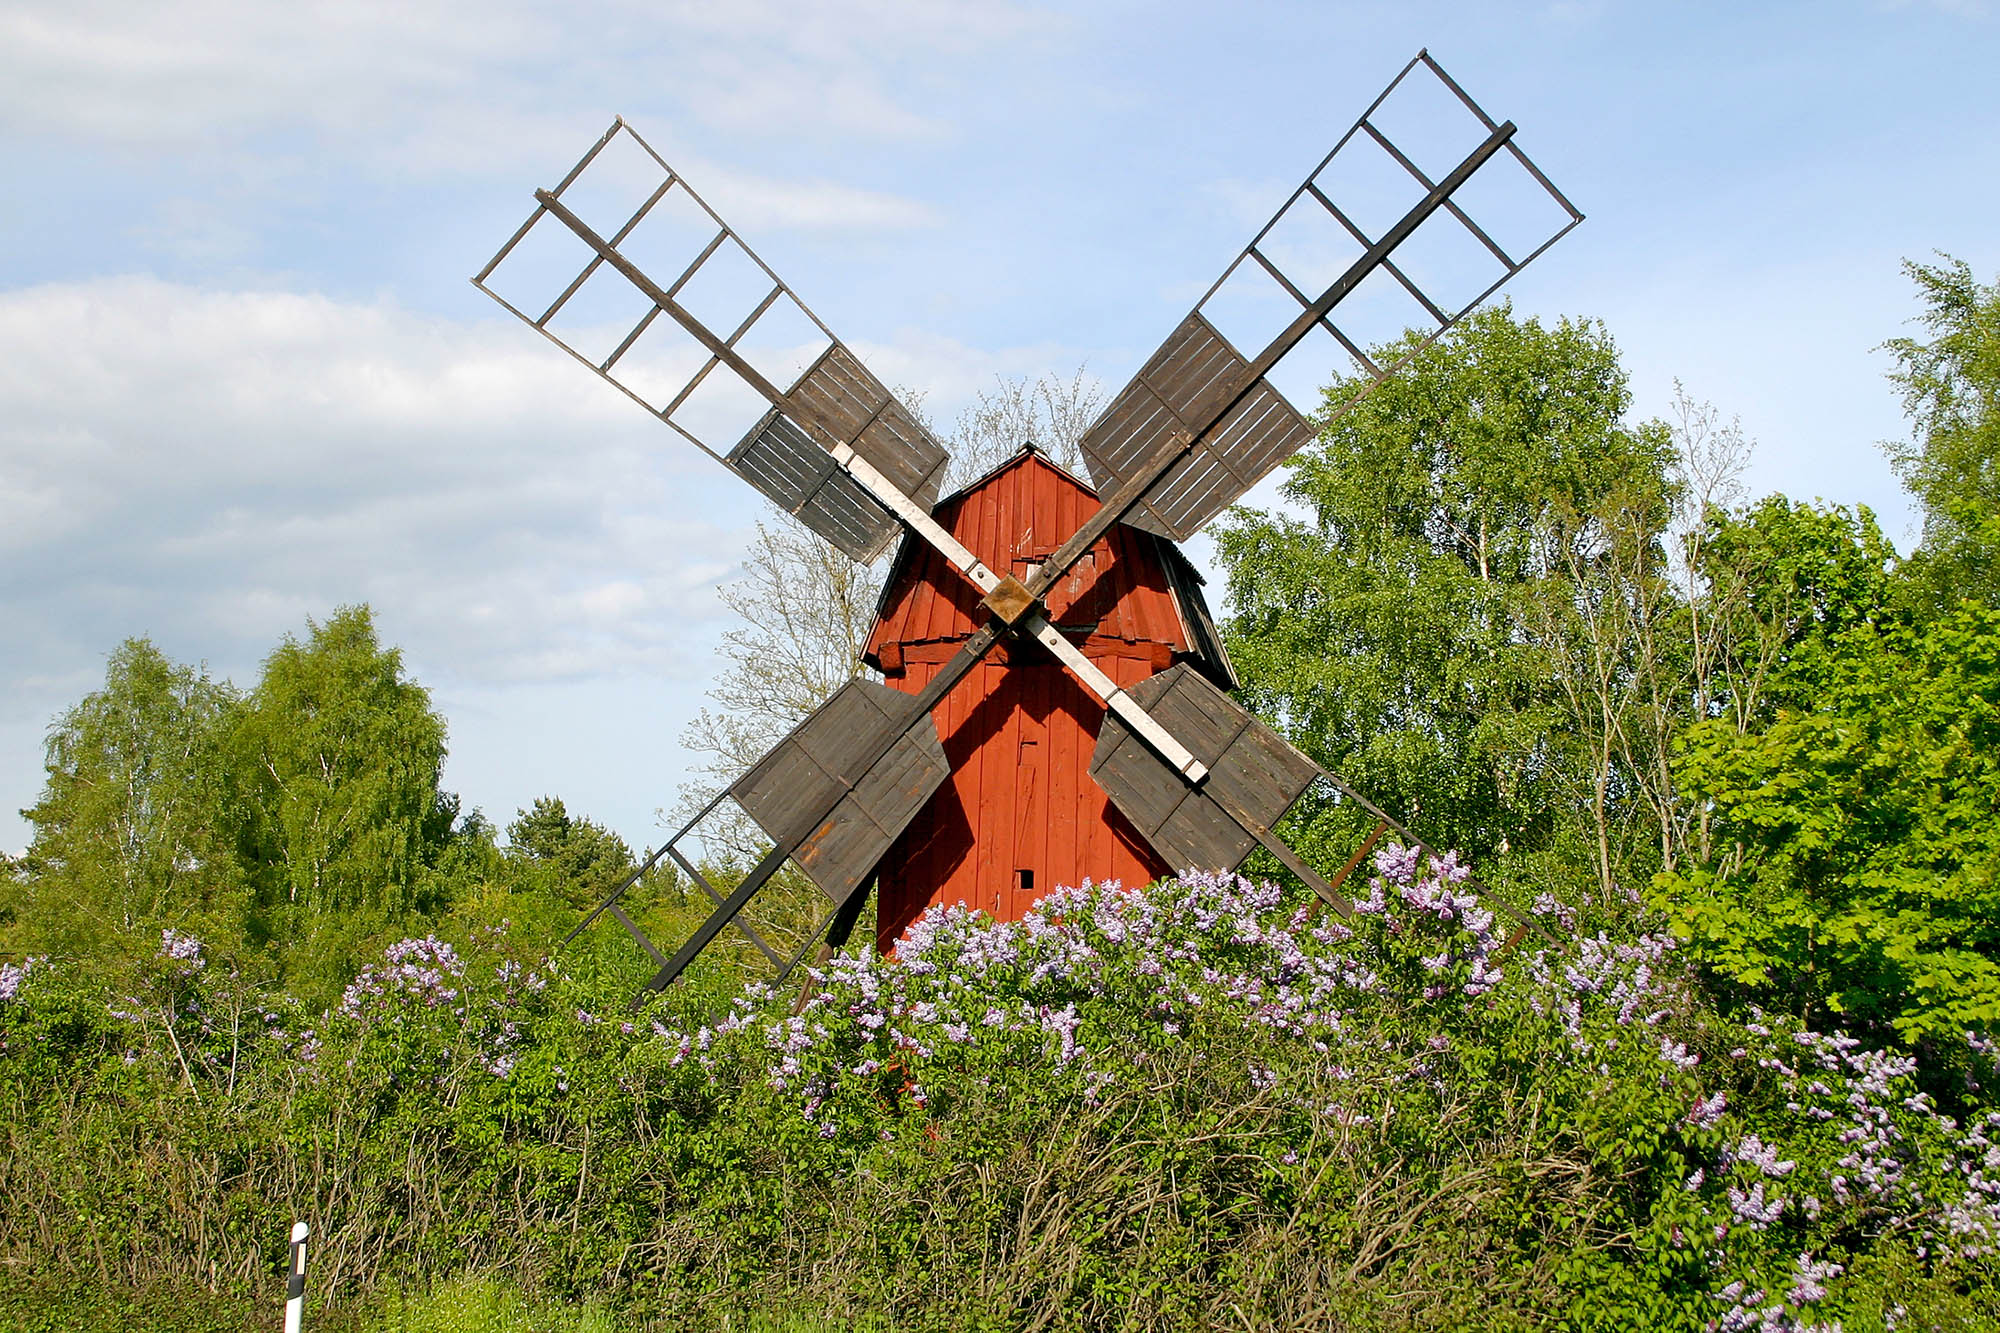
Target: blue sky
x=243 y=378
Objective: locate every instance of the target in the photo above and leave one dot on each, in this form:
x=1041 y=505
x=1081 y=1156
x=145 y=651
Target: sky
x=244 y=379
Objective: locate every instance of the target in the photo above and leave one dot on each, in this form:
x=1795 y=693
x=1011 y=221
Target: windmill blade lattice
x=873 y=466
x=822 y=792
x=1296 y=283
x=737 y=350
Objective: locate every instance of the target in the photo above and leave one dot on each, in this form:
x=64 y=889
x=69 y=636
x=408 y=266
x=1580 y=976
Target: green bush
x=1178 y=1108
x=1858 y=857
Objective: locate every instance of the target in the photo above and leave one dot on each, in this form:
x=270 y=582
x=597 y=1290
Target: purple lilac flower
x=184 y=951
x=12 y=975
x=1810 y=1284
x=1707 y=1111
x=412 y=972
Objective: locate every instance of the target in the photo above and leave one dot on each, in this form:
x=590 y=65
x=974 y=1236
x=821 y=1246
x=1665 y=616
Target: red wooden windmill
x=1020 y=812
x=1029 y=621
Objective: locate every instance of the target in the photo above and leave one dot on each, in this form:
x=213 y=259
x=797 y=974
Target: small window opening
x=1026 y=879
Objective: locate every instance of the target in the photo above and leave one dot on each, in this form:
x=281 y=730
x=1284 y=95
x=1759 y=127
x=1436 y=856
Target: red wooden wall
x=1020 y=814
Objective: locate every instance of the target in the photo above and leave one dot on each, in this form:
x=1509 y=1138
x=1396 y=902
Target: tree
x=138 y=826
x=1951 y=391
x=804 y=612
x=1050 y=412
x=1786 y=580
x=1858 y=858
x=1450 y=628
x=578 y=860
x=346 y=753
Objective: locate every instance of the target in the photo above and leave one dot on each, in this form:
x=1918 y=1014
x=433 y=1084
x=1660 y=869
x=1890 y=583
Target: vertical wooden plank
x=938 y=870
x=957 y=883
x=936 y=619
x=1002 y=819
x=996 y=785
x=1031 y=782
x=1064 y=856
x=962 y=883
x=1044 y=717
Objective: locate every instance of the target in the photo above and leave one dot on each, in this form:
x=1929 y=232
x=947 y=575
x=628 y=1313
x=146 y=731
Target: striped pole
x=295 y=1284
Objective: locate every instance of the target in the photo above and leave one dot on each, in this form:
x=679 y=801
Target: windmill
x=629 y=271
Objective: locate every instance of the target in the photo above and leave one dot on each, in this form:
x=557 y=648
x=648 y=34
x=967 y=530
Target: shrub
x=1178 y=1107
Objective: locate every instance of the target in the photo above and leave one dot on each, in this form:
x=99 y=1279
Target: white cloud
x=218 y=466
x=215 y=467
x=433 y=83
x=155 y=73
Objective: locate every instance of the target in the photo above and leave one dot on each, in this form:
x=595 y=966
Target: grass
x=484 y=1304
x=472 y=1303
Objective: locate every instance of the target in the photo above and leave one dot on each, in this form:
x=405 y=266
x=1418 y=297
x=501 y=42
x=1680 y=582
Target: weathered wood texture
x=1181 y=388
x=840 y=403
x=1254 y=775
x=1020 y=813
x=826 y=756
x=800 y=477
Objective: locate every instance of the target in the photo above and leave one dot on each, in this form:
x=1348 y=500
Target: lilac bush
x=426 y=972
x=1741 y=1172
x=12 y=975
x=183 y=953
x=1799 y=1142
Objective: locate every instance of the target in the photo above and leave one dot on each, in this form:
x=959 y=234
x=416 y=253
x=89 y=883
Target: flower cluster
x=1598 y=973
x=1053 y=988
x=424 y=972
x=12 y=975
x=1093 y=977
x=1347 y=1037
x=182 y=952
x=1437 y=893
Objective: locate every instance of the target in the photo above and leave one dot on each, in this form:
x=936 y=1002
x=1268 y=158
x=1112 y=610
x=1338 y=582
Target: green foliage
x=299 y=821
x=1179 y=1109
x=1859 y=854
x=32 y=1305
x=1801 y=576
x=1420 y=633
x=140 y=823
x=1848 y=796
x=578 y=860
x=1951 y=390
x=347 y=753
x=482 y=1305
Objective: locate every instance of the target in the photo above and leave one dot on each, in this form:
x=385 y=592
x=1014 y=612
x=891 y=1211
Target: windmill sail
x=1296 y=282
x=738 y=365
x=822 y=792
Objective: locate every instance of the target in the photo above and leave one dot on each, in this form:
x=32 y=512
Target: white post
x=295 y=1284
